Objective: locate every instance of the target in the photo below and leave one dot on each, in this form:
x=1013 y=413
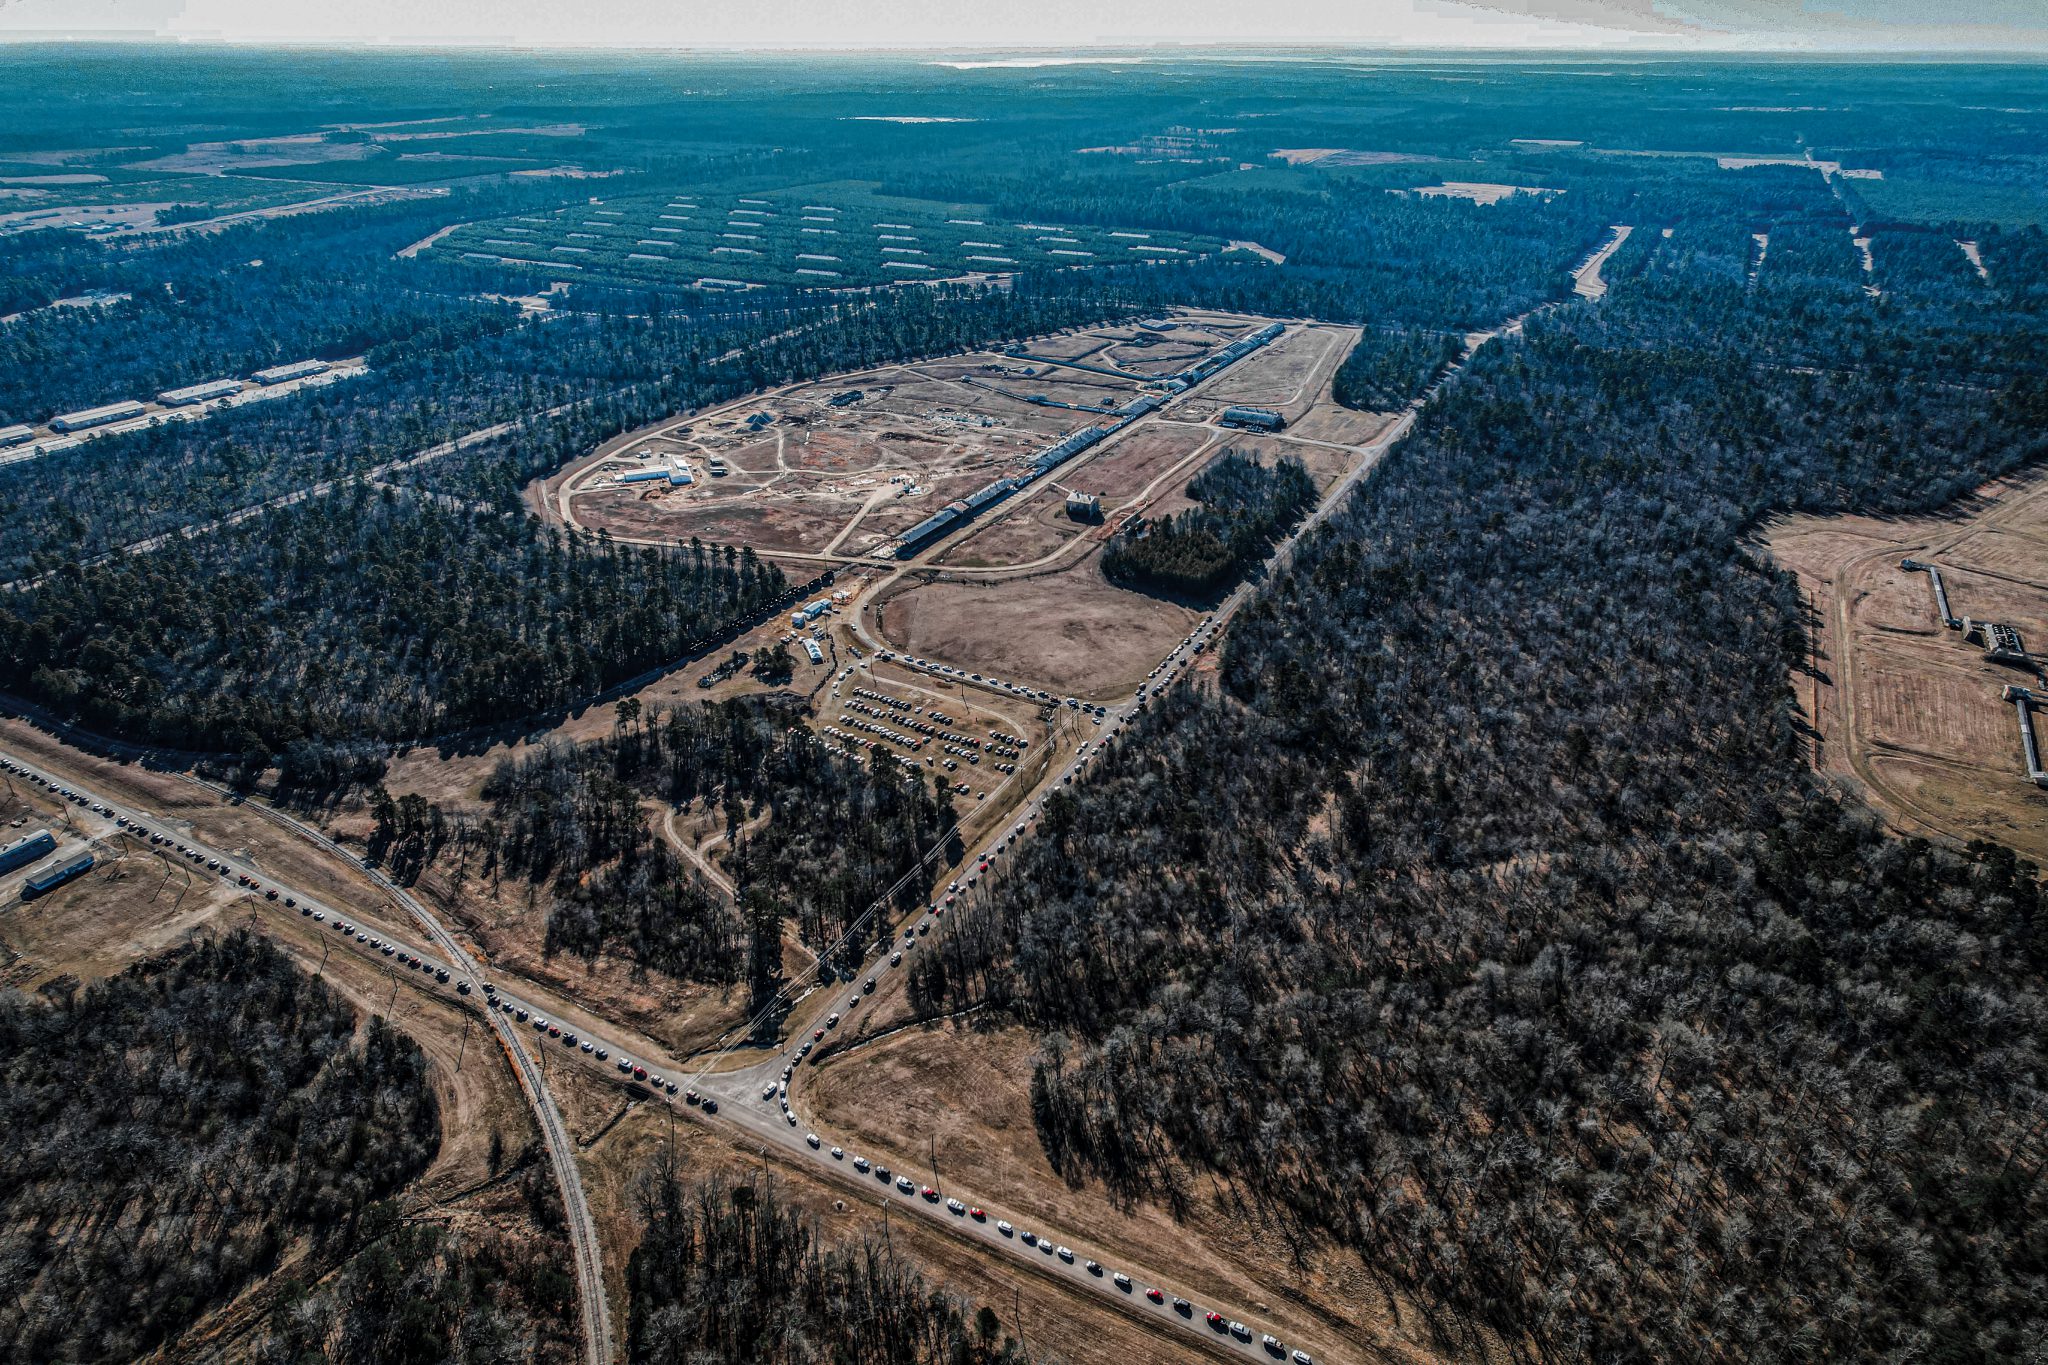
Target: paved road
x=505 y=1006
x=465 y=979
x=741 y=1094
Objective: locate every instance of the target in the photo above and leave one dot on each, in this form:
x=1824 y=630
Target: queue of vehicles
x=554 y=1031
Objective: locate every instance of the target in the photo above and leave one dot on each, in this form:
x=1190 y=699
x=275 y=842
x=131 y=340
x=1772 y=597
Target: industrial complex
x=184 y=403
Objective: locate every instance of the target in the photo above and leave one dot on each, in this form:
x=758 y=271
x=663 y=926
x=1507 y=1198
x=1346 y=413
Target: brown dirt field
x=186 y=808
x=1075 y=386
x=1340 y=425
x=1027 y=531
x=1136 y=459
x=795 y=521
x=1069 y=629
x=1070 y=346
x=131 y=905
x=1332 y=1308
x=1906 y=713
x=1286 y=376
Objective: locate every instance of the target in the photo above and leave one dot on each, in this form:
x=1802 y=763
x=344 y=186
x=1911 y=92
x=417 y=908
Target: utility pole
x=322 y=969
x=461 y=1051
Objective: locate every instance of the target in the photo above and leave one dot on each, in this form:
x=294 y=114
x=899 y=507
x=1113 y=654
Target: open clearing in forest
x=1903 y=708
x=1213 y=1254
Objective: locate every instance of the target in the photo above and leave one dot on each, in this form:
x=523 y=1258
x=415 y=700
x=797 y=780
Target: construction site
x=1926 y=689
x=964 y=501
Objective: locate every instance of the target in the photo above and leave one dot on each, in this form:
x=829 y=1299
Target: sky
x=1892 y=25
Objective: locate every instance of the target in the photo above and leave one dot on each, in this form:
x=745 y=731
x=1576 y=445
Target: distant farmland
x=823 y=238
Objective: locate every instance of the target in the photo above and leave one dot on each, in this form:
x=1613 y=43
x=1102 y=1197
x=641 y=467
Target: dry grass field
x=1903 y=709
x=1067 y=628
x=1326 y=1303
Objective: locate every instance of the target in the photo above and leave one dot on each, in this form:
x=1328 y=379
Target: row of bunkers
x=190 y=395
x=955 y=514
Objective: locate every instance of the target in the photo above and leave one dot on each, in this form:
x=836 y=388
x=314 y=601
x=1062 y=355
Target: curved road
x=463 y=971
x=745 y=1092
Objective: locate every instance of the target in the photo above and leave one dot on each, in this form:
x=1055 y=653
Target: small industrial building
x=840 y=400
x=42 y=882
x=1084 y=506
x=199 y=393
x=16 y=435
x=716 y=464
x=759 y=420
x=642 y=476
x=298 y=369
x=26 y=850
x=811 y=648
x=97 y=417
x=680 y=476
x=1252 y=419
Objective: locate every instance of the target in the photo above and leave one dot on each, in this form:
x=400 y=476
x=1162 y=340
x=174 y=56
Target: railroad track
x=597 y=1332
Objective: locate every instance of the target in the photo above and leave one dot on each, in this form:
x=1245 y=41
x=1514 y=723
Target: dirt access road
x=113 y=817
x=1170 y=1320
x=1900 y=706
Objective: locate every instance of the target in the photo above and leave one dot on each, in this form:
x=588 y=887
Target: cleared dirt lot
x=1903 y=709
x=1287 y=376
x=1068 y=629
x=799 y=476
x=900 y=1098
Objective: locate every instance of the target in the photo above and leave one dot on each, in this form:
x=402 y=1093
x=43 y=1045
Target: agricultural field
x=830 y=236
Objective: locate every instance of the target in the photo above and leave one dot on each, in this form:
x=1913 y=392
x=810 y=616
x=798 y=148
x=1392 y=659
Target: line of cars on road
x=911 y=1189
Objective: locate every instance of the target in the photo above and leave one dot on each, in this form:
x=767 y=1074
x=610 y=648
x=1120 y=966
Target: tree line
x=372 y=613
x=173 y=1131
x=1246 y=507
x=1490 y=922
x=732 y=1273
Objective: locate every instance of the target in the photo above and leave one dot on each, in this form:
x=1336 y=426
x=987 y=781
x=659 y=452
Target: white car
x=811 y=1138
x=1066 y=1255
x=1003 y=1226
x=860 y=1163
x=838 y=1154
x=956 y=1208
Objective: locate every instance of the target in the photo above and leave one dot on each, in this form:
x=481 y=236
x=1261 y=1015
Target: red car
x=1155 y=1296
x=1216 y=1321
x=817 y=1035
x=977 y=1215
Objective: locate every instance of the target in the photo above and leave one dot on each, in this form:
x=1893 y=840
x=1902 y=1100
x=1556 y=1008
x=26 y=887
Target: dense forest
x=174 y=1132
x=730 y=1275
x=1481 y=917
x=1246 y=507
x=422 y=1293
x=372 y=612
x=1386 y=369
x=812 y=836
x=1557 y=987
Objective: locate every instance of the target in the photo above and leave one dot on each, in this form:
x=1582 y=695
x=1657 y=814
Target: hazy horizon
x=1607 y=27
